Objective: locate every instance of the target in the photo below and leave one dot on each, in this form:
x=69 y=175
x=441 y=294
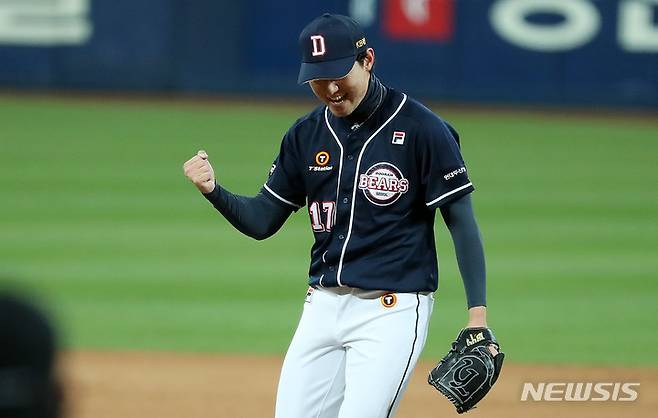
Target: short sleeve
x=443 y=171
x=285 y=184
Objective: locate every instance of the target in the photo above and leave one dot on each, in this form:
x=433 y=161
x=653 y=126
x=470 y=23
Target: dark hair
x=361 y=57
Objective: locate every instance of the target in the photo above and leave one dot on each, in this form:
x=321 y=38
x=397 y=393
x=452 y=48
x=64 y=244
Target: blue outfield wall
x=581 y=52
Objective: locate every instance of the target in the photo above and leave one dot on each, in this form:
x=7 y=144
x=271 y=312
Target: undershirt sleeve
x=460 y=220
x=257 y=217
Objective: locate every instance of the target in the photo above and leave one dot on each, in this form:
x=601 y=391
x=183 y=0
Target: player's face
x=343 y=95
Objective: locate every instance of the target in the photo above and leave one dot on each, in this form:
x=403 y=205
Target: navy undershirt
x=373 y=99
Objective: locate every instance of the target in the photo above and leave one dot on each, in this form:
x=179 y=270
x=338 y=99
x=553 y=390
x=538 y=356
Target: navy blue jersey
x=371 y=192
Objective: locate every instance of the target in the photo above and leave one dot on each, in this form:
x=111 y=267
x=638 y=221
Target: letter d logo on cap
x=318 y=45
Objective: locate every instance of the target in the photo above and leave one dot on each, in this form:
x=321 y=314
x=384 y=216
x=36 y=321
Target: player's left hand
x=469 y=370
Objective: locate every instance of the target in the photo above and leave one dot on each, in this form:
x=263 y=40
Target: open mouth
x=337 y=100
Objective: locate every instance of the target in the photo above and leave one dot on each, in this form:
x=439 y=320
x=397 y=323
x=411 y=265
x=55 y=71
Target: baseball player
x=371 y=165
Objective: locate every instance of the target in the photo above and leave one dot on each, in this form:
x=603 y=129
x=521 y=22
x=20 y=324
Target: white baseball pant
x=352 y=355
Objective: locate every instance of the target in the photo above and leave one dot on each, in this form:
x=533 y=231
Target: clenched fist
x=200 y=172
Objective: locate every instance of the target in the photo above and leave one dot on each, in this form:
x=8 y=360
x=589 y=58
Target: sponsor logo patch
x=316 y=168
x=321 y=161
x=322 y=158
x=398 y=138
x=272 y=169
x=389 y=300
x=383 y=184
x=454 y=173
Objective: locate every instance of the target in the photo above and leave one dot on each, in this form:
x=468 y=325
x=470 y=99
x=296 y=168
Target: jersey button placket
x=345 y=192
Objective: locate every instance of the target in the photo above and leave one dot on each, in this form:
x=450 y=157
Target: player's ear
x=369 y=61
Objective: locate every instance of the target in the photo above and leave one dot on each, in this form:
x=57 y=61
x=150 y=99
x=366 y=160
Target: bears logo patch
x=383 y=184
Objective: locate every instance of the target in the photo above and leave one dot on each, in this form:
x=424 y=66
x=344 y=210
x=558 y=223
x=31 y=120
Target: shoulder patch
x=454 y=173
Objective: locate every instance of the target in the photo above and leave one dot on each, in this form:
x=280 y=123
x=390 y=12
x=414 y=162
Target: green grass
x=97 y=218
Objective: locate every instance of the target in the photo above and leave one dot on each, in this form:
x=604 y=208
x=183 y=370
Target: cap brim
x=326 y=70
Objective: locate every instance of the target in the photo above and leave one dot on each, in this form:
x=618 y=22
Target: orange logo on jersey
x=322 y=158
x=389 y=300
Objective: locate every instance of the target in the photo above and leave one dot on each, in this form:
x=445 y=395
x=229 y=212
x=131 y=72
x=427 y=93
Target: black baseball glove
x=469 y=370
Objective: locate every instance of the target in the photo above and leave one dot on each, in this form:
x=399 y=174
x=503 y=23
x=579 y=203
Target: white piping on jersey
x=356 y=176
x=280 y=198
x=340 y=165
x=340 y=172
x=448 y=194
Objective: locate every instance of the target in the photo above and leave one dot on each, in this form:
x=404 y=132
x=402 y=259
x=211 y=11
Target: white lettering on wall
x=637 y=31
x=581 y=23
x=45 y=22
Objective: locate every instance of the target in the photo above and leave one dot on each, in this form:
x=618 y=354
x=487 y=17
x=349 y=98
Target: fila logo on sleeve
x=398 y=137
x=318 y=45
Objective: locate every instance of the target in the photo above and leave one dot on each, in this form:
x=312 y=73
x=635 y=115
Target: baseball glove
x=469 y=370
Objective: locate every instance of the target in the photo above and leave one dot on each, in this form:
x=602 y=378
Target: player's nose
x=332 y=87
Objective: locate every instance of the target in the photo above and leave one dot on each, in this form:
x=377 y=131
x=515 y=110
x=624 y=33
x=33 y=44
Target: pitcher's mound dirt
x=164 y=385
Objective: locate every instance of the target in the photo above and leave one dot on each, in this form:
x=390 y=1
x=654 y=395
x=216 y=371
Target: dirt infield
x=164 y=385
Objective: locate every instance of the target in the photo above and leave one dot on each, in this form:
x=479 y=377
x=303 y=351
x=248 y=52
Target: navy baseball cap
x=330 y=45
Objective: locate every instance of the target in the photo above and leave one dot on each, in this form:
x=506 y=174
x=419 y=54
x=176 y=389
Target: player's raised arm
x=258 y=217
